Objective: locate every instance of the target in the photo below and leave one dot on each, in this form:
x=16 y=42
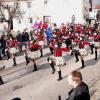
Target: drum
x=13 y=50
x=59 y=61
x=34 y=54
x=83 y=52
x=41 y=43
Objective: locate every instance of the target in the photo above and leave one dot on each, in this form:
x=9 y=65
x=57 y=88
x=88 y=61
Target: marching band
x=74 y=38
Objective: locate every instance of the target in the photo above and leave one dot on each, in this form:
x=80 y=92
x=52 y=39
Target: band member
x=30 y=58
x=96 y=44
x=40 y=39
x=12 y=45
x=81 y=47
x=59 y=61
x=52 y=64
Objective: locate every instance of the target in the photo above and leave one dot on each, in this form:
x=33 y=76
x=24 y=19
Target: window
x=29 y=4
x=45 y=1
x=19 y=21
x=30 y=20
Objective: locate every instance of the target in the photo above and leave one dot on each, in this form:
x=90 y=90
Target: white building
x=59 y=11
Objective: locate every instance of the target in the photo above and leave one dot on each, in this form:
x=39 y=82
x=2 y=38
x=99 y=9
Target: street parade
x=36 y=61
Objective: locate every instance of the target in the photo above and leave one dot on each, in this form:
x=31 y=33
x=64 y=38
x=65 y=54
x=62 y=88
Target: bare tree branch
x=13 y=8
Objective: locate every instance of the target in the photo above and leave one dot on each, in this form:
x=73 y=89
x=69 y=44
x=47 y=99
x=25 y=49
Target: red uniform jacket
x=83 y=43
x=12 y=43
x=34 y=47
x=58 y=53
x=96 y=38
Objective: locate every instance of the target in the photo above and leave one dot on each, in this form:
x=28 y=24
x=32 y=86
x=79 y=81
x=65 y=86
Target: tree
x=12 y=9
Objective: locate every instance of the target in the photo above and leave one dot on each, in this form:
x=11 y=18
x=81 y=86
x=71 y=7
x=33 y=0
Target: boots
x=53 y=68
x=8 y=55
x=14 y=61
x=76 y=56
x=96 y=54
x=1 y=81
x=59 y=97
x=91 y=49
x=35 y=68
x=82 y=61
x=27 y=60
x=51 y=50
x=59 y=76
x=41 y=53
x=71 y=51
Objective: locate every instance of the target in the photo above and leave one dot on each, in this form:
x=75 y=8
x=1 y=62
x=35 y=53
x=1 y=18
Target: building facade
x=90 y=8
x=59 y=11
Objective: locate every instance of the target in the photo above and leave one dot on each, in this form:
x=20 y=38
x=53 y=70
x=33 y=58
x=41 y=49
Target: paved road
x=42 y=85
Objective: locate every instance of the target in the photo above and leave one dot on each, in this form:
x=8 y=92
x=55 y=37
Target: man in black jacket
x=25 y=38
x=19 y=40
x=80 y=90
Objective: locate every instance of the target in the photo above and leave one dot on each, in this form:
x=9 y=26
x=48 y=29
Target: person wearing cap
x=80 y=90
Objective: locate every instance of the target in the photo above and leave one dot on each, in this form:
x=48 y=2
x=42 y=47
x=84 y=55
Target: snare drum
x=13 y=50
x=83 y=52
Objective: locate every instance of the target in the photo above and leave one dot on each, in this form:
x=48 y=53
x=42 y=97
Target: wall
x=59 y=10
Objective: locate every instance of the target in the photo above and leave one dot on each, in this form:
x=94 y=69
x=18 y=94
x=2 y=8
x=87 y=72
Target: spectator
x=25 y=38
x=19 y=40
x=80 y=90
x=3 y=44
